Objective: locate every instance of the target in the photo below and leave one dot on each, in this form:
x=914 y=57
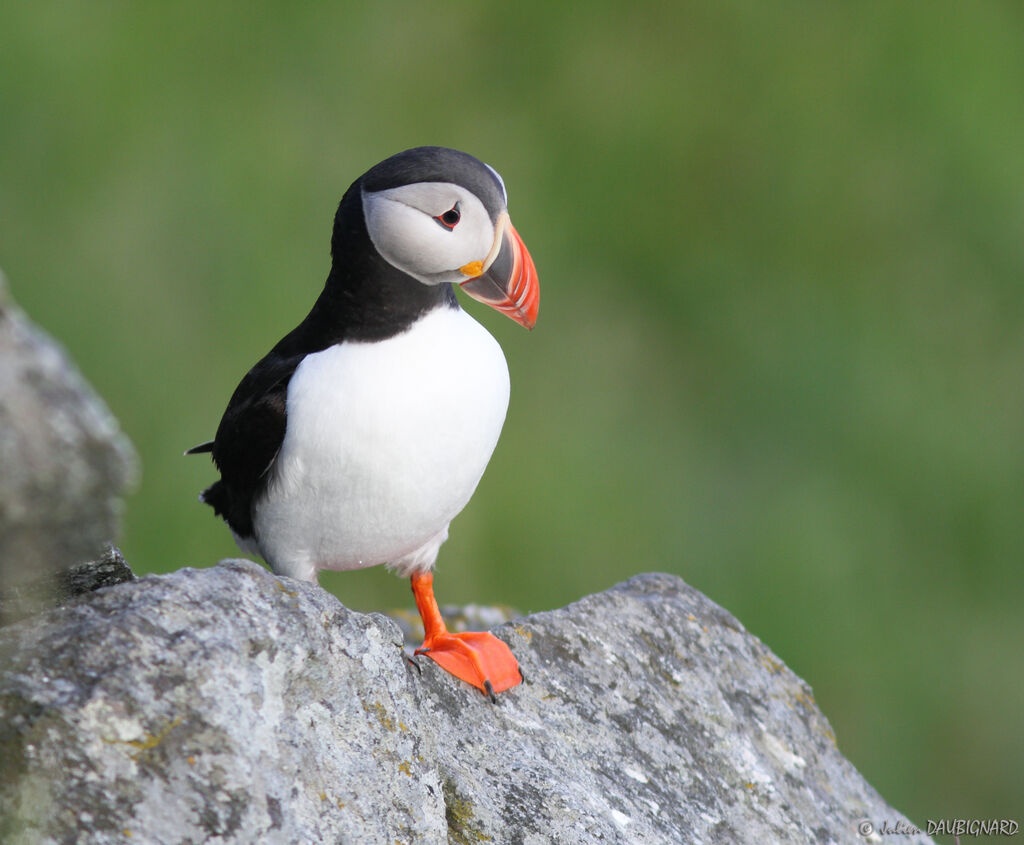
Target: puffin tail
x=216 y=497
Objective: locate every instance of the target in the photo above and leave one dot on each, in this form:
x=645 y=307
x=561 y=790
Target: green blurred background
x=781 y=343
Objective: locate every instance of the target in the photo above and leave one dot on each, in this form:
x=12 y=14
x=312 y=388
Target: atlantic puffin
x=359 y=437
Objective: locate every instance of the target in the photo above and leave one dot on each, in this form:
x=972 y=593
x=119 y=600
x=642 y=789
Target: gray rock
x=230 y=705
x=64 y=463
x=56 y=588
x=109 y=569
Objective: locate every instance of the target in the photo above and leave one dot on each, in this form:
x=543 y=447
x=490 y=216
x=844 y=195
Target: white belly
x=385 y=444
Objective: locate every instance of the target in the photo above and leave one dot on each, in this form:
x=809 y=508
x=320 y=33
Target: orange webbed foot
x=478 y=658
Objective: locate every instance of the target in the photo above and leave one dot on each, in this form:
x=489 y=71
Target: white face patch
x=406 y=227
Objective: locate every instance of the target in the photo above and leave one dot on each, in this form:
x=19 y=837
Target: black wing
x=248 y=439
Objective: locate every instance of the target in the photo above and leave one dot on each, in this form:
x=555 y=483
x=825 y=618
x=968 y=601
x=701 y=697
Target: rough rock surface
x=231 y=705
x=52 y=589
x=64 y=463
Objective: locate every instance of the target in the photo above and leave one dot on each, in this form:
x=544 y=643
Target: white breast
x=385 y=444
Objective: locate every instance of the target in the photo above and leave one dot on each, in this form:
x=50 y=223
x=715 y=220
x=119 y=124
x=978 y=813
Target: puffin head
x=441 y=217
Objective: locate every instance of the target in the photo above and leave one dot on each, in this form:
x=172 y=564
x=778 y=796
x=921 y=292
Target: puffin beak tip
x=508 y=280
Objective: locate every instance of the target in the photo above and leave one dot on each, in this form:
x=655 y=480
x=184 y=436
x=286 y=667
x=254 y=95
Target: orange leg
x=480 y=659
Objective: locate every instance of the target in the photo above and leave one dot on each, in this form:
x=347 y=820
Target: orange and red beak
x=507 y=279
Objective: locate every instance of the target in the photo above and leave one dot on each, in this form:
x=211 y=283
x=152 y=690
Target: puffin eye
x=450 y=218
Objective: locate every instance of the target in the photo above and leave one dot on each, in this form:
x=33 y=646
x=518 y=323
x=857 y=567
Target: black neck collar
x=365 y=298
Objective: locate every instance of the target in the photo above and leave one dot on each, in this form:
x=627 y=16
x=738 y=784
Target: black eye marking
x=450 y=218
